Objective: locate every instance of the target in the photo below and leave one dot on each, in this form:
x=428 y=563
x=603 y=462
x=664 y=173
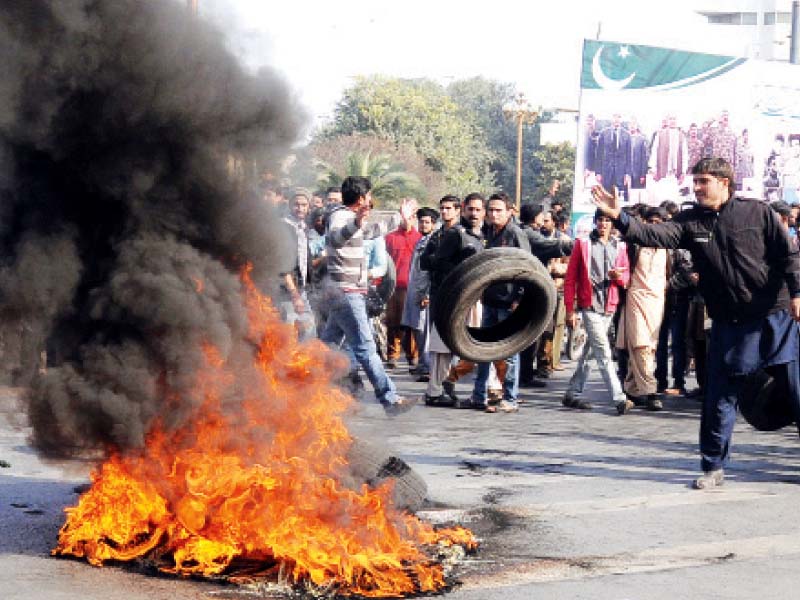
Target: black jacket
x=747 y=266
x=503 y=295
x=446 y=249
x=545 y=248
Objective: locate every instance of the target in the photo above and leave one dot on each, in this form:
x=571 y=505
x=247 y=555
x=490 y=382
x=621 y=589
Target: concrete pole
x=794 y=48
x=520 y=118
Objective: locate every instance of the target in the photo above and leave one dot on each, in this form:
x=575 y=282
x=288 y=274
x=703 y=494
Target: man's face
x=673 y=122
x=603 y=225
x=334 y=197
x=693 y=131
x=474 y=212
x=497 y=213
x=319 y=224
x=425 y=225
x=793 y=216
x=318 y=201
x=547 y=223
x=723 y=119
x=300 y=207
x=710 y=190
x=450 y=212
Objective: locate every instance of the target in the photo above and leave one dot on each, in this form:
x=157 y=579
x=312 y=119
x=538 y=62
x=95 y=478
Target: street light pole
x=522 y=113
x=192 y=6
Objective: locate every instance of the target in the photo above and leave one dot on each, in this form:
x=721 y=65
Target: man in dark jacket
x=749 y=275
x=500 y=299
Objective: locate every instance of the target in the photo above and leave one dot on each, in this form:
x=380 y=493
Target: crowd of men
x=715 y=283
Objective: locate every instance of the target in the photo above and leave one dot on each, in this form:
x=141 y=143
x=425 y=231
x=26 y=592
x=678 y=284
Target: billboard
x=648 y=114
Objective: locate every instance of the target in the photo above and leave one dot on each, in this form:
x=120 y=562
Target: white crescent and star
x=602 y=79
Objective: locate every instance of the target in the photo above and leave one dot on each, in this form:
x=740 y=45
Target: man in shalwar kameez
x=641 y=321
x=749 y=276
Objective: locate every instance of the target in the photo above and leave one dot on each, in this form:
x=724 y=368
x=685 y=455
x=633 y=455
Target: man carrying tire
x=749 y=276
x=500 y=300
x=453 y=243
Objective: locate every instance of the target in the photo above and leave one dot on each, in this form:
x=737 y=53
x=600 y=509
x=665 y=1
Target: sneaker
x=624 y=407
x=709 y=480
x=569 y=401
x=507 y=406
x=399 y=406
x=583 y=405
x=449 y=388
x=654 y=404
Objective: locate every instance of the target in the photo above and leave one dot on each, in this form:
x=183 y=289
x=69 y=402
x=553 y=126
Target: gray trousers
x=598 y=348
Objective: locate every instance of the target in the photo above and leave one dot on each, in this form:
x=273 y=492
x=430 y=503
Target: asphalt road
x=567 y=504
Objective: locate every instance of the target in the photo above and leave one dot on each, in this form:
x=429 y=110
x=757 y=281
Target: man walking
x=597 y=271
x=749 y=276
x=346 y=287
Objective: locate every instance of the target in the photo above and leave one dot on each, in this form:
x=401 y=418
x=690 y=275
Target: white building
x=761 y=28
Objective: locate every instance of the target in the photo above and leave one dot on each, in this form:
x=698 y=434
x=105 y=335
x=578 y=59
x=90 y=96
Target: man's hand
x=694 y=278
x=606 y=201
x=408 y=209
x=362 y=212
x=795 y=309
x=572 y=320
x=298 y=304
x=424 y=302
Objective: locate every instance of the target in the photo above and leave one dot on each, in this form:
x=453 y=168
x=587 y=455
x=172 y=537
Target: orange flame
x=257 y=483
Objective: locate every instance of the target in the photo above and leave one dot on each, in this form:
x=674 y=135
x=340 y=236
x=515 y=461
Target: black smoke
x=128 y=136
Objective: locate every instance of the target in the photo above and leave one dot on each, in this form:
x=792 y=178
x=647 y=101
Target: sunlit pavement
x=567 y=503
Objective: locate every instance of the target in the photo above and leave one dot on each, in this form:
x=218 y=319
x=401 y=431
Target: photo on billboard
x=648 y=114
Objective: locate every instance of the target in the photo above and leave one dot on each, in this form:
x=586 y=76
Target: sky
x=535 y=45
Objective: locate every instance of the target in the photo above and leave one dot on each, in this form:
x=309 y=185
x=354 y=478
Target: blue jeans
x=347 y=317
x=492 y=316
x=674 y=326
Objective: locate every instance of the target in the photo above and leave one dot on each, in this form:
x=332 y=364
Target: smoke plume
x=121 y=124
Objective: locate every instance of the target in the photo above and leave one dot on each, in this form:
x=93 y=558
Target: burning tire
x=373 y=464
x=462 y=288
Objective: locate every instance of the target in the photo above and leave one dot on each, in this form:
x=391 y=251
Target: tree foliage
x=554 y=161
x=420 y=114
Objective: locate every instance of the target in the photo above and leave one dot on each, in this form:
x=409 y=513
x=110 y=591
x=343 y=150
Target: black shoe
x=450 y=391
x=423 y=378
x=433 y=400
x=399 y=406
x=653 y=403
x=637 y=400
x=469 y=404
x=533 y=383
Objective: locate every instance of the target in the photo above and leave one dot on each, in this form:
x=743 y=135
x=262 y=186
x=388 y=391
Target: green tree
x=390 y=181
x=554 y=161
x=420 y=114
x=334 y=153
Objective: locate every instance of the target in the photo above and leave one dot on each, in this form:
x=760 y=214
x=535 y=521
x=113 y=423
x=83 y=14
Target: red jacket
x=577 y=282
x=400 y=246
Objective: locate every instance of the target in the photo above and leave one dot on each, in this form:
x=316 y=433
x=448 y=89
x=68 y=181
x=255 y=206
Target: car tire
x=463 y=287
x=372 y=464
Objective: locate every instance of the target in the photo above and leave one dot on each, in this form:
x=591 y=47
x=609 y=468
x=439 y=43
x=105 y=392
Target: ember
x=258 y=492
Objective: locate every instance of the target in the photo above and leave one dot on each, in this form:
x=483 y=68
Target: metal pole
x=794 y=48
x=192 y=6
x=520 y=117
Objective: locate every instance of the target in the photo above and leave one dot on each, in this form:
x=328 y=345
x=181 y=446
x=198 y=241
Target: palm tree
x=390 y=181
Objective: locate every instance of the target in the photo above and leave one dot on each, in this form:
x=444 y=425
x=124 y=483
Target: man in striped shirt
x=346 y=288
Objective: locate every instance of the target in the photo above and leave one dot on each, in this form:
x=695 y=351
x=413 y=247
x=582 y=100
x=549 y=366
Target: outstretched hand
x=607 y=202
x=408 y=208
